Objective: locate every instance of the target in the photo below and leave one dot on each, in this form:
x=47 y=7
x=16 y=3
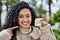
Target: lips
x=25 y=23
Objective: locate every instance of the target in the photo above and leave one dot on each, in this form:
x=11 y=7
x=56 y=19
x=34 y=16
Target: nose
x=25 y=19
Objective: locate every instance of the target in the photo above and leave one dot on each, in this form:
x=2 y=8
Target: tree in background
x=49 y=3
x=52 y=21
x=57 y=34
x=0 y=12
x=0 y=6
x=39 y=10
x=10 y=3
x=57 y=17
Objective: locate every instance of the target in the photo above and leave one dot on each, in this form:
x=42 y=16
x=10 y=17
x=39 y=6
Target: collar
x=35 y=33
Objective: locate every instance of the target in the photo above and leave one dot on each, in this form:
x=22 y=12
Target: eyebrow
x=26 y=14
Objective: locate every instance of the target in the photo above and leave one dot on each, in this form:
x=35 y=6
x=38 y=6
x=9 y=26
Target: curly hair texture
x=12 y=17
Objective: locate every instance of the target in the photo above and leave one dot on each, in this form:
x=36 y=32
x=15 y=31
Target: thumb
x=45 y=22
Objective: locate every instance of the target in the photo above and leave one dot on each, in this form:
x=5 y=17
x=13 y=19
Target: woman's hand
x=10 y=29
x=43 y=22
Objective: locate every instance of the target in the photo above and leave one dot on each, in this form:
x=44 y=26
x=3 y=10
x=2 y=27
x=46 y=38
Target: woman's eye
x=27 y=16
x=20 y=16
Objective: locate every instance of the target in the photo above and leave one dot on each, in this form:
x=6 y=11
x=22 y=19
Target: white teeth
x=24 y=23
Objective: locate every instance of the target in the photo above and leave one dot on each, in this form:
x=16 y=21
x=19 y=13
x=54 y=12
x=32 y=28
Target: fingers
x=41 y=19
x=43 y=22
x=10 y=29
x=13 y=28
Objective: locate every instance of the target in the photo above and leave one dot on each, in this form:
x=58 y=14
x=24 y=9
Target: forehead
x=25 y=11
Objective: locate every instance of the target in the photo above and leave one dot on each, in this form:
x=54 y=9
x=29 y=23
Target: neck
x=23 y=30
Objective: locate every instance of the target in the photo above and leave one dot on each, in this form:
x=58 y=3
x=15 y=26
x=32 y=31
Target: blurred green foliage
x=55 y=18
x=52 y=21
x=41 y=11
x=12 y=2
x=57 y=34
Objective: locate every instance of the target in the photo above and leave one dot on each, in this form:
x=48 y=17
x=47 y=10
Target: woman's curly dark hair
x=12 y=17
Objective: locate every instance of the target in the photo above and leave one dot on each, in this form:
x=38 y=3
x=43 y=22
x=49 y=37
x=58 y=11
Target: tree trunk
x=49 y=12
x=49 y=9
x=0 y=12
x=49 y=3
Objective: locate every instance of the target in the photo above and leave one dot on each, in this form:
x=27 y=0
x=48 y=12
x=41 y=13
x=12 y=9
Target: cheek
x=19 y=20
x=30 y=20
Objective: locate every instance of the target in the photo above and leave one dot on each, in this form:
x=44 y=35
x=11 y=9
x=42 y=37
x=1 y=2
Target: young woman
x=20 y=25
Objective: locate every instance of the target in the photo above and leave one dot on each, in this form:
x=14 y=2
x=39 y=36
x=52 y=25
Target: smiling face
x=24 y=18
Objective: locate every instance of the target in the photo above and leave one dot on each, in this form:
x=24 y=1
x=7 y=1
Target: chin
x=26 y=27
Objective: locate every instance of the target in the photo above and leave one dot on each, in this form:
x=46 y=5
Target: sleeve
x=52 y=33
x=47 y=33
x=4 y=35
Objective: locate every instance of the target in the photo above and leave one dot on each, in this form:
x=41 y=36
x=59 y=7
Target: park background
x=48 y=9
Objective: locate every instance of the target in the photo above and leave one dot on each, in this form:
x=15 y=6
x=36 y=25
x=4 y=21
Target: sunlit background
x=48 y=9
